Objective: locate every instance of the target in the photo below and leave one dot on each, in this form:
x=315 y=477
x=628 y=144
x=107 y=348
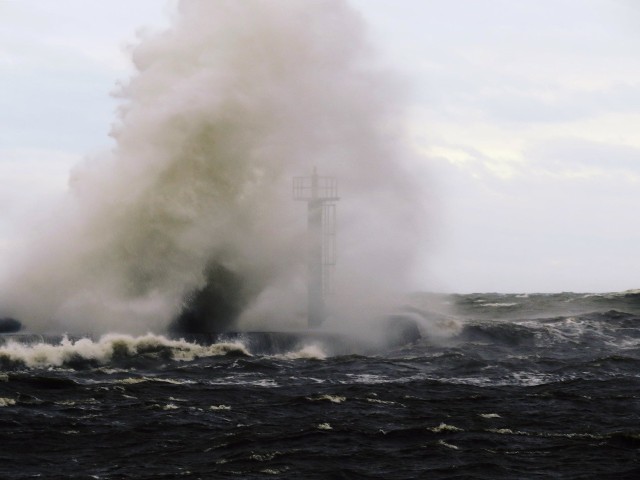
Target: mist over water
x=223 y=110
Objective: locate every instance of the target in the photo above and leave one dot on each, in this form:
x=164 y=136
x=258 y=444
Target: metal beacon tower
x=320 y=193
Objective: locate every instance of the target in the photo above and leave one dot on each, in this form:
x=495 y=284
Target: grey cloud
x=517 y=62
x=564 y=154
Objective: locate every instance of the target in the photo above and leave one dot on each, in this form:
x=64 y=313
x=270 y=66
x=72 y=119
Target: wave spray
x=224 y=109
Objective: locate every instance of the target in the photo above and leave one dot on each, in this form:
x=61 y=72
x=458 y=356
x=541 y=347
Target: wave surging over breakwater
x=108 y=350
x=225 y=107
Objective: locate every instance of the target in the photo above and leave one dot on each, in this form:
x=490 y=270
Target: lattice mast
x=320 y=193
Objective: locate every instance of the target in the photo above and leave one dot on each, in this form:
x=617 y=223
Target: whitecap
x=507 y=431
x=264 y=457
x=313 y=352
x=448 y=445
x=383 y=402
x=135 y=380
x=6 y=402
x=112 y=346
x=490 y=415
x=328 y=398
x=271 y=471
x=443 y=427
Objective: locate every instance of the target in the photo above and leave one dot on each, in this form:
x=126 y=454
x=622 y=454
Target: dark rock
x=215 y=306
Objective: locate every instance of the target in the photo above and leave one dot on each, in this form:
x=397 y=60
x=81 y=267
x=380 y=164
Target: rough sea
x=506 y=386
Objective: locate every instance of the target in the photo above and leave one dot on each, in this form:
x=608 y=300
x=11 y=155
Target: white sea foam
x=490 y=415
x=313 y=351
x=272 y=471
x=499 y=305
x=574 y=435
x=143 y=379
x=219 y=407
x=448 y=445
x=443 y=427
x=506 y=431
x=238 y=380
x=328 y=398
x=370 y=378
x=6 y=402
x=324 y=426
x=625 y=344
x=133 y=380
x=264 y=457
x=613 y=295
x=112 y=371
x=383 y=402
x=109 y=347
x=514 y=378
x=573 y=330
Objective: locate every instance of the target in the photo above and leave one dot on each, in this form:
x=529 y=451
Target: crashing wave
x=109 y=348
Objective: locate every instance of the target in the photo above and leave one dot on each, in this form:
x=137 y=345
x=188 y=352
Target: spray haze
x=224 y=109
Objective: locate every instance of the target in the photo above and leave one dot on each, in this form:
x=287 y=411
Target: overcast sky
x=525 y=118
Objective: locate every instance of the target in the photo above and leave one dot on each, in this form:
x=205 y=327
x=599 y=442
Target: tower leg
x=316 y=310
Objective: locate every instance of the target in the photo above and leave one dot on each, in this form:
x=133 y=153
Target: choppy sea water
x=512 y=386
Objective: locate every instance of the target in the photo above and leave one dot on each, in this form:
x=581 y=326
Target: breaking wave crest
x=313 y=352
x=110 y=348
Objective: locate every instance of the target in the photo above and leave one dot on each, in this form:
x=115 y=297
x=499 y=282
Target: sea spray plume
x=226 y=106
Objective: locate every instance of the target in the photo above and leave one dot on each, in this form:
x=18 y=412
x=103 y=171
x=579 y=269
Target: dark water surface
x=537 y=386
